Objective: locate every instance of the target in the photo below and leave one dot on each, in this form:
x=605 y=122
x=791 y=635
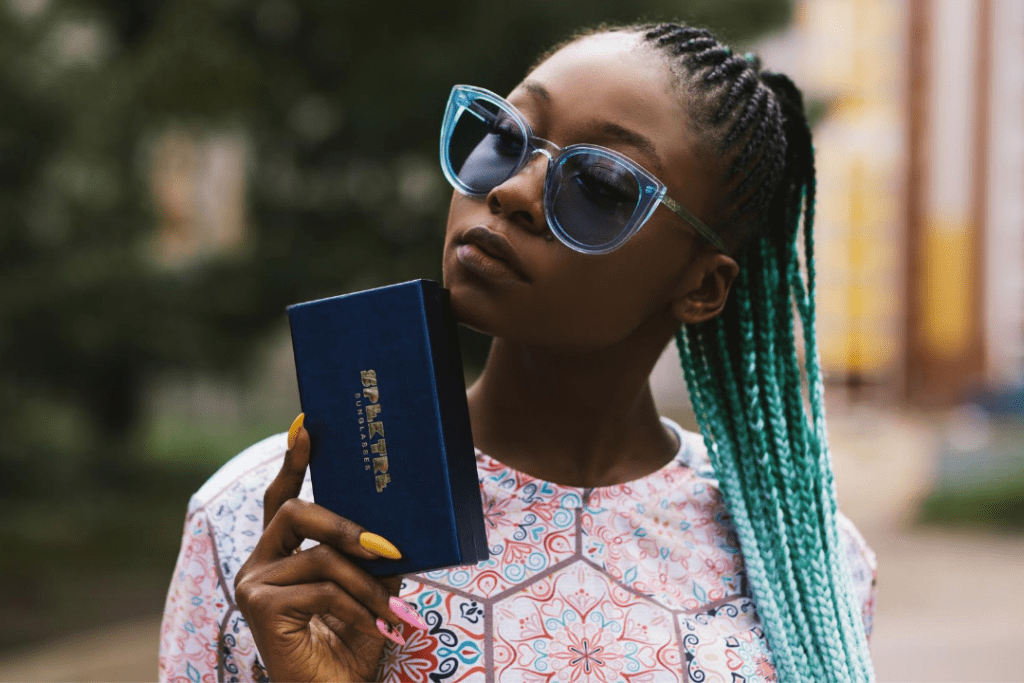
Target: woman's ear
x=704 y=288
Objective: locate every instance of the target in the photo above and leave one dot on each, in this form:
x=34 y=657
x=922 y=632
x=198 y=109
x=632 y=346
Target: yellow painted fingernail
x=293 y=431
x=378 y=544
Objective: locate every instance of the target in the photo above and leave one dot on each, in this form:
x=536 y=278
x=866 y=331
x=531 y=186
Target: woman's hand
x=314 y=614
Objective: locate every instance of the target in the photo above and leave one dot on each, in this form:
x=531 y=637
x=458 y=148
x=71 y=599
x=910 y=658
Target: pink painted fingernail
x=406 y=613
x=390 y=633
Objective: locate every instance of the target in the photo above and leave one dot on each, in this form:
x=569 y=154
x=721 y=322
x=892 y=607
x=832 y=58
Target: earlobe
x=704 y=289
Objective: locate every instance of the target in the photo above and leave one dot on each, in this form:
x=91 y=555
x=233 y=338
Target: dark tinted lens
x=594 y=198
x=486 y=146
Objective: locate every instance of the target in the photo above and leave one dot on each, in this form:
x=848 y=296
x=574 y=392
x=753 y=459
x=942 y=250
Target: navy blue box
x=381 y=384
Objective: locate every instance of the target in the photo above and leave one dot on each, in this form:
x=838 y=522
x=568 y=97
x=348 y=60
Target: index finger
x=288 y=482
x=298 y=520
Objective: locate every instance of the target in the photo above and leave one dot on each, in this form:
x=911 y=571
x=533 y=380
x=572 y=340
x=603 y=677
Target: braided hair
x=742 y=368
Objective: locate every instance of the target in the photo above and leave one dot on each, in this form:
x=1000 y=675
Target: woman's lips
x=490 y=255
x=478 y=261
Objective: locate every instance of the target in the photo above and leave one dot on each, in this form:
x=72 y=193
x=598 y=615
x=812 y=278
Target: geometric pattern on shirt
x=204 y=637
x=616 y=583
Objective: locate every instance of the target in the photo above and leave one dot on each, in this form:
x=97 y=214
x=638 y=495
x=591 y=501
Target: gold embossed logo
x=375 y=453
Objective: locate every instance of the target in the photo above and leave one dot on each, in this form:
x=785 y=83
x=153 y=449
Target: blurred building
x=198 y=184
x=920 y=216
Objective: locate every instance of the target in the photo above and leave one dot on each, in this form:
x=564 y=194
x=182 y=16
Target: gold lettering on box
x=370 y=427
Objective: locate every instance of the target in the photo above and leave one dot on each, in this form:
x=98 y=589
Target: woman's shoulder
x=863 y=565
x=860 y=558
x=692 y=451
x=203 y=634
x=694 y=454
x=252 y=469
x=230 y=504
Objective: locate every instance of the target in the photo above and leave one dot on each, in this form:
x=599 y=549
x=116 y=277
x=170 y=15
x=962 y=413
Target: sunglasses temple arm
x=478 y=111
x=695 y=223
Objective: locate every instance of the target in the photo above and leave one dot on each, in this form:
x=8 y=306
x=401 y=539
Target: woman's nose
x=521 y=197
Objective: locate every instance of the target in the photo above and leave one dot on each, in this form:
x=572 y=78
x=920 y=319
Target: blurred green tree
x=336 y=105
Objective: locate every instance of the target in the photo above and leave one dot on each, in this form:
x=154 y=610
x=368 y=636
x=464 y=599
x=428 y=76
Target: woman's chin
x=472 y=300
x=470 y=309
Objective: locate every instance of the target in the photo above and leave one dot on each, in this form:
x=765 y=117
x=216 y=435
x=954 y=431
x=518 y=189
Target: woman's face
x=561 y=298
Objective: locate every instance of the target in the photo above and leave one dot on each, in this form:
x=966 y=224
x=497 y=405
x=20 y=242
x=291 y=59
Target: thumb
x=288 y=482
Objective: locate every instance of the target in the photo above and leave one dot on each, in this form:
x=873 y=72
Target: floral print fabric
x=641 y=581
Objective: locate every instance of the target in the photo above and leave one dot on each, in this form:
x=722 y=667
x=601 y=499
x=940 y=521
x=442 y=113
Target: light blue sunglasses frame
x=464 y=99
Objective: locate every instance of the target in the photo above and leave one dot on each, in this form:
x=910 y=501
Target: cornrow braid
x=694 y=45
x=742 y=369
x=744 y=84
x=729 y=68
x=678 y=34
x=713 y=56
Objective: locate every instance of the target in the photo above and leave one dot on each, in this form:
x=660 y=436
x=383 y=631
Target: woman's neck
x=574 y=419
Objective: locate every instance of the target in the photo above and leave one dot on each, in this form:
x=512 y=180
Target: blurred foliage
x=339 y=104
x=979 y=479
x=82 y=562
x=97 y=555
x=999 y=505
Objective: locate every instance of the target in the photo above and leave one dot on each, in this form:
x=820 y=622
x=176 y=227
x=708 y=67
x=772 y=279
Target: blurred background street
x=174 y=172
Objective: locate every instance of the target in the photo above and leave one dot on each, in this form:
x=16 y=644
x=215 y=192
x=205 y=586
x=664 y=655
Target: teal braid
x=773 y=463
x=747 y=468
x=756 y=463
x=774 y=471
x=707 y=402
x=852 y=625
x=775 y=347
x=787 y=508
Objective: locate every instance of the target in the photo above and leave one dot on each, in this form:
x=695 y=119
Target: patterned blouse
x=641 y=581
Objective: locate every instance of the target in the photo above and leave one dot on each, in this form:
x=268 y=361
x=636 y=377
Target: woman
x=642 y=183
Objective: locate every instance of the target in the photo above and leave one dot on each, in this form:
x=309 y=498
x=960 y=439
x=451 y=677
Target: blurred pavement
x=949 y=601
x=127 y=652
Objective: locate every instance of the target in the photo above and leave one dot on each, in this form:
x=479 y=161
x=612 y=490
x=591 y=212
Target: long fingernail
x=390 y=633
x=406 y=613
x=380 y=545
x=293 y=431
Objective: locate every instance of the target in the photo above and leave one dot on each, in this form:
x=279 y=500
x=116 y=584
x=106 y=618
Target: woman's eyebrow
x=537 y=90
x=629 y=137
x=606 y=129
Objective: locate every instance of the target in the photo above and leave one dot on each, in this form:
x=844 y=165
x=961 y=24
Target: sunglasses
x=594 y=198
